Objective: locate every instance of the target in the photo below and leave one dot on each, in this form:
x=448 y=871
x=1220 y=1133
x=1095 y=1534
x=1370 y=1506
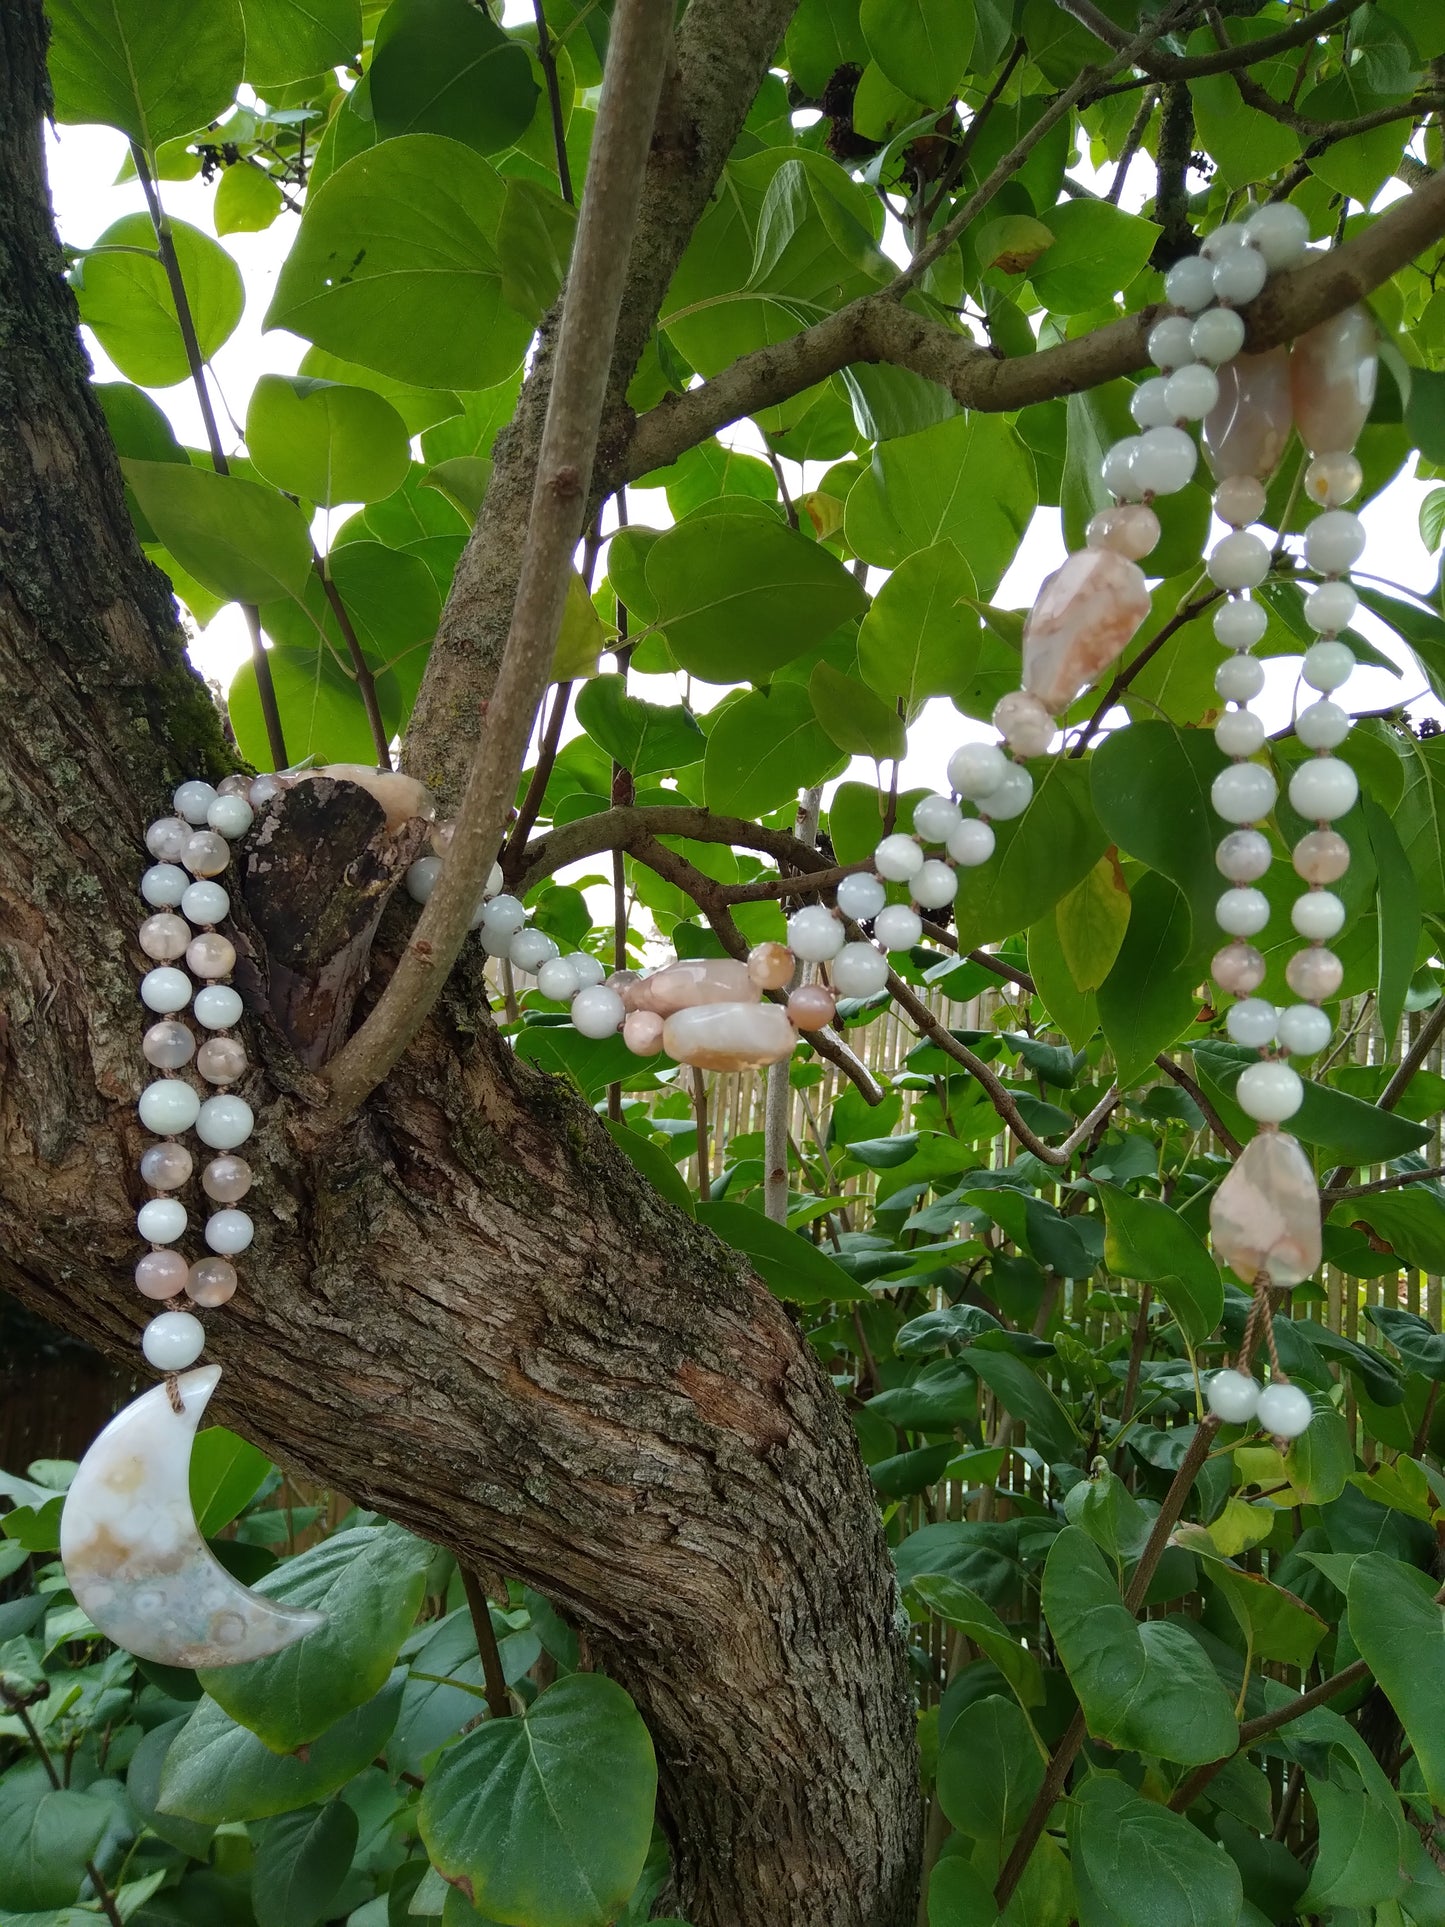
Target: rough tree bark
x=466 y=1310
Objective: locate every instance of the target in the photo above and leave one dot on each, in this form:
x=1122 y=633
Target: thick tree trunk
x=468 y=1311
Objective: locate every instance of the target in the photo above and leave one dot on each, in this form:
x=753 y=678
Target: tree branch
x=548 y=58
x=1395 y=1183
x=1189 y=1790
x=1429 y=1035
x=1164 y=66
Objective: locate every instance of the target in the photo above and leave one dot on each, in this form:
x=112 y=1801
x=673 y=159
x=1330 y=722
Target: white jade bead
x=1284 y=1410
x=503 y=917
x=1239 y=500
x=205 y=903
x=168 y=1106
x=972 y=843
x=1334 y=541
x=225 y=1121
x=163 y=885
x=936 y=819
x=1334 y=478
x=160 y=1221
x=934 y=885
x=217 y=1007
x=1327 y=665
x=229 y=1231
x=1242 y=912
x=1239 y=732
x=1238 y=678
x=976 y=770
x=193 y=800
x=167 y=837
x=421 y=877
x=1238 y=560
x=1239 y=624
x=1191 y=392
x=1149 y=403
x=815 y=934
x=1331 y=607
x=897 y=927
x=263 y=789
x=859 y=970
x=173 y=1340
x=1252 y=1021
x=1280 y=231
x=860 y=895
x=557 y=980
x=1223 y=240
x=1232 y=1396
x=1171 y=343
x=1323 y=788
x=530 y=949
x=1165 y=460
x=1217 y=336
x=165 y=989
x=1269 y=1091
x=1189 y=284
x=598 y=1011
x=1244 y=856
x=1239 y=275
x=898 y=858
x=1304 y=1029
x=1318 y=915
x=1323 y=725
x=1117 y=473
x=1244 y=792
x=232 y=816
x=588 y=969
x=1013 y=795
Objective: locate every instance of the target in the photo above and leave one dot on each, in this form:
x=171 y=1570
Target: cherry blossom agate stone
x=402 y=797
x=1332 y=371
x=1265 y=1217
x=1247 y=428
x=693 y=980
x=729 y=1037
x=1084 y=618
x=642 y=1032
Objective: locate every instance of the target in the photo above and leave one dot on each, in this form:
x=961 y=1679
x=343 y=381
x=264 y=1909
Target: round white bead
x=1149 y=403
x=859 y=896
x=1021 y=719
x=1191 y=392
x=1232 y=1396
x=1304 y=1029
x=1323 y=788
x=1013 y=795
x=503 y=917
x=225 y=1121
x=167 y=837
x=1239 y=623
x=1165 y=460
x=1239 y=560
x=1239 y=732
x=1217 y=336
x=1318 y=915
x=936 y=819
x=1171 y=343
x=557 y=980
x=168 y=1106
x=1280 y=231
x=587 y=968
x=1244 y=856
x=972 y=843
x=1244 y=792
x=263 y=789
x=598 y=1011
x=1117 y=472
x=898 y=858
x=205 y=902
x=1223 y=240
x=1331 y=607
x=1269 y=1091
x=1242 y=912
x=1284 y=1410
x=217 y=1007
x=859 y=970
x=173 y=1340
x=530 y=949
x=1239 y=500
x=165 y=989
x=1189 y=284
x=1238 y=678
x=232 y=816
x=1327 y=665
x=1252 y=1022
x=1239 y=276
x=935 y=884
x=228 y=1232
x=160 y=1221
x=897 y=927
x=976 y=770
x=193 y=801
x=815 y=934
x=1323 y=725
x=421 y=877
x=1334 y=541
x=163 y=885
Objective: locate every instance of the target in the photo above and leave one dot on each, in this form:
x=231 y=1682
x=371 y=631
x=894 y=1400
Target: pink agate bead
x=1238 y=968
x=1321 y=856
x=1332 y=372
x=1084 y=618
x=695 y=980
x=771 y=965
x=161 y=1274
x=402 y=797
x=729 y=1037
x=642 y=1032
x=811 y=1006
x=1130 y=529
x=1314 y=974
x=211 y=1282
x=1247 y=428
x=164 y=937
x=1265 y=1217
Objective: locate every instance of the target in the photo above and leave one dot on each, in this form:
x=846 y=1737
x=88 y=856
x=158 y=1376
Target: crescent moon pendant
x=134 y=1557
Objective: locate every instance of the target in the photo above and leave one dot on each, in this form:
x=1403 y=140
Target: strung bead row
x=1279 y=1408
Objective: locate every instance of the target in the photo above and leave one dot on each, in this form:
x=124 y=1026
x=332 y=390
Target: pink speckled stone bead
x=1238 y=968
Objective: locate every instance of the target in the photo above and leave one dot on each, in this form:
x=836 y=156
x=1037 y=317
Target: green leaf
x=369 y=1582
x=1414 y=1338
x=1399 y=1628
x=739 y=595
x=225 y=1473
x=534 y=242
x=1091 y=920
x=1399 y=915
x=289 y=40
x=857 y=720
x=396 y=267
x=548 y=1817
x=143 y=1783
x=962 y=1608
x=1320 y=1460
x=1147 y=1867
x=1150 y=1242
x=654 y=1164
x=1097 y=251
x=764 y=748
x=1148 y=999
x=591 y=1063
x=46 y=1838
x=824 y=35
x=137 y=426
x=923 y=46
x=238 y=539
x=989 y=1771
x=646 y=738
x=1151 y=787
x=1039 y=858
x=1432 y=519
x=920 y=637
x=301 y=1860
x=126 y=299
x=789 y=1264
x=959 y=1895
x=326 y=443
x=445 y=67
x=247 y=200
x=1344 y=1126
x=1276 y=1625
x=1361 y=1833
x=420 y=408
x=1051 y=1430
x=119 y=62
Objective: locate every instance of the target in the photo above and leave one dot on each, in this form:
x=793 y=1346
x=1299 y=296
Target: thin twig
x=1189 y=1790
x=499 y=1700
x=1396 y=1183
x=102 y=1892
x=1126 y=675
x=548 y=58
x=541 y=775
x=365 y=681
x=953 y=173
x=1132 y=143
x=1170 y=67
x=699 y=1113
x=1413 y=1059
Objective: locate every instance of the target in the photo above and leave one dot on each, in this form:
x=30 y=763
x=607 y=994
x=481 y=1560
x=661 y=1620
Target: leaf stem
x=546 y=54
x=499 y=1701
x=365 y=681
